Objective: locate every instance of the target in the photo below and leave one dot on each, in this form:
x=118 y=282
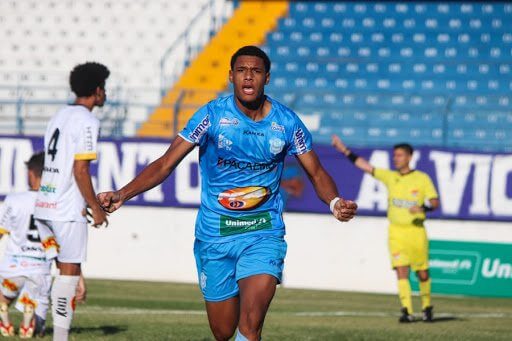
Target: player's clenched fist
x=110 y=201
x=344 y=210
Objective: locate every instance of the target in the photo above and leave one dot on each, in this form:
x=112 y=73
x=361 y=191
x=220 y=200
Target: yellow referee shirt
x=404 y=192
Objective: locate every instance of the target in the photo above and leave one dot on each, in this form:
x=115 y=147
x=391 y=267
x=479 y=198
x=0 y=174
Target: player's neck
x=256 y=110
x=87 y=102
x=405 y=170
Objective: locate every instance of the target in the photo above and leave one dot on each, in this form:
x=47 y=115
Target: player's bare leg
x=425 y=289
x=6 y=327
x=223 y=317
x=404 y=292
x=256 y=293
x=63 y=296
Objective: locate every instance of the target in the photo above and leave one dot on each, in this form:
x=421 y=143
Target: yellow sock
x=425 y=293
x=404 y=292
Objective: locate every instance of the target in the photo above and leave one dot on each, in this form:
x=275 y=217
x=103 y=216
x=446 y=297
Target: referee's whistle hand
x=344 y=210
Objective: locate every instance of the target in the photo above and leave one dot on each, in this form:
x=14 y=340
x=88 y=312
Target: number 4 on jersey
x=52 y=145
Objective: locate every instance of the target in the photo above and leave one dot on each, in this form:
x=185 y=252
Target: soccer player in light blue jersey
x=240 y=247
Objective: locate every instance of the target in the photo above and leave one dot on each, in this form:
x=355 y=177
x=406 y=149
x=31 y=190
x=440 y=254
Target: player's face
x=101 y=96
x=249 y=78
x=401 y=158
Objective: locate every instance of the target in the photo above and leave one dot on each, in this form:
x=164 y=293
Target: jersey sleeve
x=87 y=140
x=301 y=140
x=430 y=190
x=197 y=127
x=384 y=175
x=7 y=216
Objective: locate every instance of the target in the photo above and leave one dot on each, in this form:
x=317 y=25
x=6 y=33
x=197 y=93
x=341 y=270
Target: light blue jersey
x=241 y=163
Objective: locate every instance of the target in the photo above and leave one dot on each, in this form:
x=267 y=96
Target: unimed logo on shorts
x=447 y=266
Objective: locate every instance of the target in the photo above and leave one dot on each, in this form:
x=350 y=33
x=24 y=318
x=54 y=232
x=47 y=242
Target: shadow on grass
x=104 y=330
x=445 y=319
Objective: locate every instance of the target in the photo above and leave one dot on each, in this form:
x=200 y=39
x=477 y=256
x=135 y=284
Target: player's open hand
x=344 y=210
x=338 y=144
x=109 y=201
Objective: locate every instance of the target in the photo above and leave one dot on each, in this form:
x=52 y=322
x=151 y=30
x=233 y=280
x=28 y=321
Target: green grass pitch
x=127 y=310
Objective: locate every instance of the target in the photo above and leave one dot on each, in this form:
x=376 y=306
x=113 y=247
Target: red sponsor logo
x=44 y=204
x=49 y=243
x=9 y=285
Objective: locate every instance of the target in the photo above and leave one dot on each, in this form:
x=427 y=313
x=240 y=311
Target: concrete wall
x=144 y=243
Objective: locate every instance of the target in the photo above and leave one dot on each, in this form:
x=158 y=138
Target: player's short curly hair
x=251 y=51
x=405 y=146
x=36 y=163
x=85 y=78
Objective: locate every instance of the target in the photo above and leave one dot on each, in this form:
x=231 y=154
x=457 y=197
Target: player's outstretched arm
x=357 y=160
x=325 y=188
x=151 y=176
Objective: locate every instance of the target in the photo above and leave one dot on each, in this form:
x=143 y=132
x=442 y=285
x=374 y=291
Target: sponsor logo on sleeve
x=88 y=139
x=276 y=145
x=200 y=129
x=243 y=198
x=299 y=140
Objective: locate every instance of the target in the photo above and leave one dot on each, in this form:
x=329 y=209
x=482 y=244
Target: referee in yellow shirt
x=411 y=193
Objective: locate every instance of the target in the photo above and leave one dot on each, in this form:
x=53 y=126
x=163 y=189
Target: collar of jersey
x=247 y=119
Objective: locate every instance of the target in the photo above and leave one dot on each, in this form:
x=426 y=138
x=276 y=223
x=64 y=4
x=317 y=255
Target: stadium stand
x=42 y=40
x=379 y=73
x=374 y=72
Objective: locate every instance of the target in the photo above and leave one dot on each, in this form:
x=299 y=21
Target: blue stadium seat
x=385 y=71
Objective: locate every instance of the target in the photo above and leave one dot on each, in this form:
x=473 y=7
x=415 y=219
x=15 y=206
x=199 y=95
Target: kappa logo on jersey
x=414 y=192
x=276 y=145
x=48 y=188
x=224 y=142
x=200 y=129
x=243 y=198
x=253 y=133
x=227 y=122
x=300 y=143
x=277 y=127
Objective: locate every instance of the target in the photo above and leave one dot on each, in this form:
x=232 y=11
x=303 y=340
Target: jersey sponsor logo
x=48 y=188
x=50 y=243
x=253 y=133
x=50 y=170
x=243 y=198
x=244 y=165
x=403 y=203
x=250 y=223
x=276 y=145
x=200 y=129
x=299 y=140
x=44 y=204
x=277 y=127
x=224 y=142
x=227 y=122
x=31 y=249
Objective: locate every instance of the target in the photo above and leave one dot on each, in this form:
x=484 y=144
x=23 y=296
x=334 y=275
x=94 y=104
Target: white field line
x=136 y=311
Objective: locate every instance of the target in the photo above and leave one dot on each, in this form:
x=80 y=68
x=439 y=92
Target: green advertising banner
x=463 y=268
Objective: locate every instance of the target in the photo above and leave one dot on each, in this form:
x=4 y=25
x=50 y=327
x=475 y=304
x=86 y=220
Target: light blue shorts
x=221 y=265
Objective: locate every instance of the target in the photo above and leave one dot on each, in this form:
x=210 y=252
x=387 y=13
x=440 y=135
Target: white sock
x=63 y=296
x=240 y=336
